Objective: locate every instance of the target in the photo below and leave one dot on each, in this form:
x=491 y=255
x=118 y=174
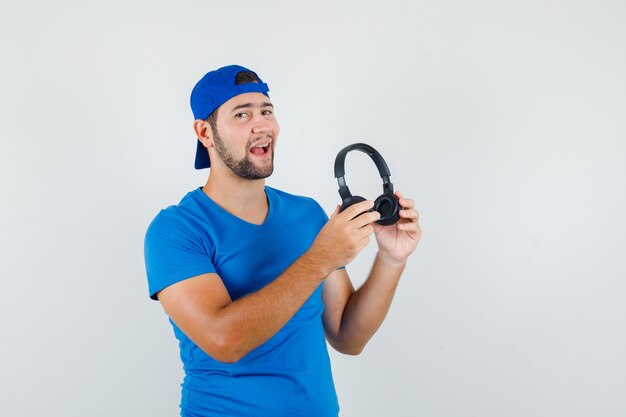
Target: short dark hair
x=242 y=78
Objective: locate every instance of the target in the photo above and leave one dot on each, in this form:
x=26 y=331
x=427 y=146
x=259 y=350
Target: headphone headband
x=340 y=160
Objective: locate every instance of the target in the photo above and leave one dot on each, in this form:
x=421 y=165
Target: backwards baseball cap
x=213 y=90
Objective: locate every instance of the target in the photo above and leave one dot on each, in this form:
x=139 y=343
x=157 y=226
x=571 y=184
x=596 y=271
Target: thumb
x=335 y=212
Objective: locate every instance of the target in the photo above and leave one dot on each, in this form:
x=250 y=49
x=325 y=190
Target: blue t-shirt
x=290 y=374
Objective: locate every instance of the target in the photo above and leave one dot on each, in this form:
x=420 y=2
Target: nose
x=260 y=123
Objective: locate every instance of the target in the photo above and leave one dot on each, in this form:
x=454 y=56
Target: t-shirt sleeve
x=173 y=253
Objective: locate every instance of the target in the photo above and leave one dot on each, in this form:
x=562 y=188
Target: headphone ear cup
x=389 y=208
x=351 y=201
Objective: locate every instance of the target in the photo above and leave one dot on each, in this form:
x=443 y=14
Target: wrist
x=316 y=263
x=389 y=260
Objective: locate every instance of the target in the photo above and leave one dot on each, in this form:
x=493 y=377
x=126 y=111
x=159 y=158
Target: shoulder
x=294 y=200
x=295 y=203
x=175 y=219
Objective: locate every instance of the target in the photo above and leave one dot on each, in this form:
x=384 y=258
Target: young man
x=252 y=278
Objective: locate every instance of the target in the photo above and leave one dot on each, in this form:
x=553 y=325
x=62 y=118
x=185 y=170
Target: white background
x=503 y=120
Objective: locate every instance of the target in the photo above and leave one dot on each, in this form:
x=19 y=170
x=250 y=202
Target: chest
x=247 y=258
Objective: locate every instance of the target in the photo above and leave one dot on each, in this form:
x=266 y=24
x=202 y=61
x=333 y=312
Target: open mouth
x=262 y=149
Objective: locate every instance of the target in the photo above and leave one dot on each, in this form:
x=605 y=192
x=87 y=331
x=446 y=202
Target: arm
x=228 y=330
x=352 y=317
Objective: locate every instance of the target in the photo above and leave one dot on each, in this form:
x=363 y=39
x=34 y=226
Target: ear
x=203 y=132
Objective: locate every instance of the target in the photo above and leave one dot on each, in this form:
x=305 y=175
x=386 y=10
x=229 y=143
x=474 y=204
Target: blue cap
x=213 y=90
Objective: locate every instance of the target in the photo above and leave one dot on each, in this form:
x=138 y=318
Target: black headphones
x=386 y=204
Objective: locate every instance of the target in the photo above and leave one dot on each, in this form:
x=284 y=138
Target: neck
x=243 y=198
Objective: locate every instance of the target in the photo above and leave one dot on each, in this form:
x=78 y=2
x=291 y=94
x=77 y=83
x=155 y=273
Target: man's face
x=246 y=135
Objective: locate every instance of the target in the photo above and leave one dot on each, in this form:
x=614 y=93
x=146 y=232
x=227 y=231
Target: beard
x=243 y=168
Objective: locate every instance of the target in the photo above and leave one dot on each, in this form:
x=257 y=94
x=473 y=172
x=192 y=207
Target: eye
x=267 y=112
x=241 y=115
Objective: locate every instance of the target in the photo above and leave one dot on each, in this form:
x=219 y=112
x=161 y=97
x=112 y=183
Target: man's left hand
x=396 y=242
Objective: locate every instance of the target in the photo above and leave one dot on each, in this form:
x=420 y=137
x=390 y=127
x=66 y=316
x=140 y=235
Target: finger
x=335 y=212
x=356 y=209
x=362 y=243
x=406 y=203
x=365 y=219
x=366 y=230
x=411 y=228
x=409 y=214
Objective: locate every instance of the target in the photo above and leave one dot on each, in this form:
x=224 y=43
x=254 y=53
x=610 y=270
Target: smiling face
x=245 y=136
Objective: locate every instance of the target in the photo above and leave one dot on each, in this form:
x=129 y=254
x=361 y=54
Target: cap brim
x=202 y=156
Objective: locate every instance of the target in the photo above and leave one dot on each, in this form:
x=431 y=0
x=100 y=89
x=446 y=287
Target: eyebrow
x=249 y=105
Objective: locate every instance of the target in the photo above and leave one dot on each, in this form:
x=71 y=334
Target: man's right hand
x=344 y=235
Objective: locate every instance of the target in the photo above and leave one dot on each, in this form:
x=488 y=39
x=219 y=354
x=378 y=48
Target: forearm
x=248 y=322
x=228 y=330
x=368 y=306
